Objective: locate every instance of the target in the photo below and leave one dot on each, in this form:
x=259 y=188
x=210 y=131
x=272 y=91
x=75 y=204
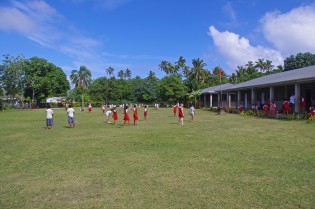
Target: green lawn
x=217 y=161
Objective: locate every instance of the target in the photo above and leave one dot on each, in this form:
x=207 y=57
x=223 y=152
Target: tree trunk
x=82 y=102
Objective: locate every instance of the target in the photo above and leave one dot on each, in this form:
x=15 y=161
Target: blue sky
x=139 y=34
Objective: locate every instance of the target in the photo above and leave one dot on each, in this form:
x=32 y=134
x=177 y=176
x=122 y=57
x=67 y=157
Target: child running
x=145 y=113
x=107 y=114
x=175 y=109
x=135 y=114
x=192 y=113
x=181 y=114
x=126 y=115
x=115 y=115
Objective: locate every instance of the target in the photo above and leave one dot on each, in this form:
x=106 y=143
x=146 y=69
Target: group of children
x=50 y=116
x=180 y=108
x=113 y=112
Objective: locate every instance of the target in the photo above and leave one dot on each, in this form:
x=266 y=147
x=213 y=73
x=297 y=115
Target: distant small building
x=56 y=99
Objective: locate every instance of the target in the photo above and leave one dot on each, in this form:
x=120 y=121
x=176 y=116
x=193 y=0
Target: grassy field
x=217 y=161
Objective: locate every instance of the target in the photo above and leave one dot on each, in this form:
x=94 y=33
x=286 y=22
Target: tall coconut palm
x=198 y=71
x=127 y=73
x=110 y=71
x=121 y=74
x=151 y=75
x=181 y=63
x=81 y=79
x=163 y=66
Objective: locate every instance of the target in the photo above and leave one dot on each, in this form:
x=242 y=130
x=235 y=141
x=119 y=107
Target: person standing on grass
x=273 y=109
x=135 y=114
x=107 y=114
x=292 y=100
x=181 y=114
x=145 y=113
x=49 y=117
x=90 y=107
x=192 y=113
x=126 y=115
x=175 y=109
x=115 y=115
x=103 y=108
x=265 y=107
x=70 y=112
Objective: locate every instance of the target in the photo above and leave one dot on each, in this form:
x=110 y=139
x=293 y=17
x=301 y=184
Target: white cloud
x=237 y=50
x=291 y=32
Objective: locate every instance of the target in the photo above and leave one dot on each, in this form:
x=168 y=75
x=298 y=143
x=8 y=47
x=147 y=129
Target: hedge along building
x=275 y=87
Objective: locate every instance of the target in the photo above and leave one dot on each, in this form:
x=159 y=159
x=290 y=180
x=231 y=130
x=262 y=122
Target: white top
x=108 y=112
x=191 y=110
x=70 y=112
x=292 y=98
x=49 y=113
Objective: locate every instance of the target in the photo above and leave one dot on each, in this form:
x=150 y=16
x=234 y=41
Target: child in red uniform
x=181 y=114
x=265 y=107
x=273 y=109
x=175 y=109
x=145 y=113
x=135 y=114
x=90 y=107
x=241 y=108
x=115 y=115
x=103 y=108
x=286 y=107
x=126 y=115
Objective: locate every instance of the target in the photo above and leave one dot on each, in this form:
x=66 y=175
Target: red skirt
x=126 y=117
x=145 y=114
x=115 y=115
x=135 y=116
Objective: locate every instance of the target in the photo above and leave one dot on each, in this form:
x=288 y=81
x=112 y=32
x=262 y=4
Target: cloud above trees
x=289 y=33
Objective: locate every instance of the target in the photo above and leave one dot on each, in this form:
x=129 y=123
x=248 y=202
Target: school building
x=276 y=87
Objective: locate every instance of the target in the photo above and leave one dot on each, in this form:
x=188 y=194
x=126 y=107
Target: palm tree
x=181 y=63
x=151 y=75
x=198 y=71
x=121 y=74
x=269 y=65
x=82 y=79
x=127 y=73
x=110 y=71
x=163 y=66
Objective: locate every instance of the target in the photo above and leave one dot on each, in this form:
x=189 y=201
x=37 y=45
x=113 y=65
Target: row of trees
x=37 y=78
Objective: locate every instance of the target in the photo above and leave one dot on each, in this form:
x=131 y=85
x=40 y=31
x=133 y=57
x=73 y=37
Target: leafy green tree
x=43 y=79
x=299 y=61
x=172 y=89
x=12 y=75
x=82 y=79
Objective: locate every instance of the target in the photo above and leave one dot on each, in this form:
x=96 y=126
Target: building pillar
x=272 y=93
x=297 y=95
x=253 y=96
x=204 y=101
x=229 y=100
x=239 y=99
x=246 y=101
x=210 y=100
x=219 y=100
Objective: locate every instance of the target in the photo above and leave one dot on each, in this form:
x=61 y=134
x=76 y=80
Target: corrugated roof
x=214 y=89
x=292 y=76
x=305 y=74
